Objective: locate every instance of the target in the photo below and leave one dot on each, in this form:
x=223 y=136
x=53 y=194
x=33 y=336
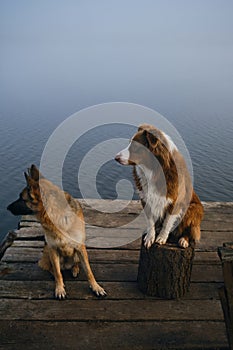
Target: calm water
x=209 y=142
x=59 y=57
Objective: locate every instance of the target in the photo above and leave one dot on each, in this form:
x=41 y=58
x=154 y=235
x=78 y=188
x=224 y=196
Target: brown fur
x=177 y=185
x=62 y=219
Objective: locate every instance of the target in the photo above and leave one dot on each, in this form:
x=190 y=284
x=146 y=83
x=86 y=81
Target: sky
x=60 y=56
x=174 y=56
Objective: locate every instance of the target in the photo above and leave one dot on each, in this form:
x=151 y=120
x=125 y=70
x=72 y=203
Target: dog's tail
x=195 y=233
x=192 y=220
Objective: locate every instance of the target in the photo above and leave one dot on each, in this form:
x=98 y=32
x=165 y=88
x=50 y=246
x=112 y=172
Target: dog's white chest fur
x=156 y=202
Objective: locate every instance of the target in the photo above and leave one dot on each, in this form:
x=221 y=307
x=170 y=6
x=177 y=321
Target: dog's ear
x=152 y=139
x=29 y=180
x=150 y=134
x=35 y=173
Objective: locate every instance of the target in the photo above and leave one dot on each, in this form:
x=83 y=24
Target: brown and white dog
x=164 y=187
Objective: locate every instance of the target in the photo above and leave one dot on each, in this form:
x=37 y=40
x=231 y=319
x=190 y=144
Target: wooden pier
x=126 y=319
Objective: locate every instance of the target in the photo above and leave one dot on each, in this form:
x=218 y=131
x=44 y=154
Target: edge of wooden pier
x=126 y=318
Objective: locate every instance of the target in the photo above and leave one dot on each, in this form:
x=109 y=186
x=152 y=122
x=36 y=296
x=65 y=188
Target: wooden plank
x=114 y=335
x=92 y=217
x=108 y=220
x=209 y=223
x=79 y=290
x=206 y=273
x=38 y=236
x=32 y=272
x=111 y=310
x=103 y=204
x=217 y=205
x=132 y=223
x=206 y=257
x=29 y=233
x=97 y=237
x=22 y=254
x=212 y=225
x=29 y=251
x=117 y=238
x=134 y=206
x=211 y=241
x=25 y=224
x=200 y=255
x=212 y=210
x=222 y=210
x=218 y=217
x=33 y=254
x=103 y=272
x=27 y=244
x=111 y=237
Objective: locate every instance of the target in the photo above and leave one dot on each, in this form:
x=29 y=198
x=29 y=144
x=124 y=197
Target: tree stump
x=165 y=271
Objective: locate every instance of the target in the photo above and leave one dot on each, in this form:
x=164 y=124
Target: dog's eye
x=29 y=193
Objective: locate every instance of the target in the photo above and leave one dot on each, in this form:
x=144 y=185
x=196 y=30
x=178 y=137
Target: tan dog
x=164 y=187
x=62 y=220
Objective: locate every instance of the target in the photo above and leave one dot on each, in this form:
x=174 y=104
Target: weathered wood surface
x=126 y=318
x=226 y=292
x=95 y=335
x=7 y=242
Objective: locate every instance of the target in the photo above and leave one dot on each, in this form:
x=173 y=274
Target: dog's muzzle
x=19 y=207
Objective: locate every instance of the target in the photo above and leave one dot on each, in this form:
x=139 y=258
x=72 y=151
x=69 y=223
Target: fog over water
x=59 y=57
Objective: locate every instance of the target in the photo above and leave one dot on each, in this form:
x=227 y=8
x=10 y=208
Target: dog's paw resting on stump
x=165 y=271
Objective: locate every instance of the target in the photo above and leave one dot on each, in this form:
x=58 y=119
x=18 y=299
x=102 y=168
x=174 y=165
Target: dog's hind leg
x=195 y=232
x=75 y=268
x=194 y=235
x=96 y=288
x=191 y=220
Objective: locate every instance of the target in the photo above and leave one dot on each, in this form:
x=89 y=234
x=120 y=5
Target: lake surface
x=60 y=57
x=23 y=138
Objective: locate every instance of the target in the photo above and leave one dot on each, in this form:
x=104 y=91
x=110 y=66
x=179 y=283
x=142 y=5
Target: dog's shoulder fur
x=60 y=215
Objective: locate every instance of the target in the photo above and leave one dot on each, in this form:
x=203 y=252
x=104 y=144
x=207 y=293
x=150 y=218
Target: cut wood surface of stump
x=165 y=270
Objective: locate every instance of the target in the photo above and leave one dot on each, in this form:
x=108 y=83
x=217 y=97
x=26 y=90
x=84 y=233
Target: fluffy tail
x=195 y=233
x=192 y=219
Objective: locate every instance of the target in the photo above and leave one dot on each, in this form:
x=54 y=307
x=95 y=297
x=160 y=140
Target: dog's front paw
x=183 y=242
x=98 y=290
x=60 y=292
x=161 y=239
x=149 y=240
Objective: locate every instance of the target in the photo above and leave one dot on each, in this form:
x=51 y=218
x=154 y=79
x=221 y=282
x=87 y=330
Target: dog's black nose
x=118 y=158
x=19 y=207
x=11 y=208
